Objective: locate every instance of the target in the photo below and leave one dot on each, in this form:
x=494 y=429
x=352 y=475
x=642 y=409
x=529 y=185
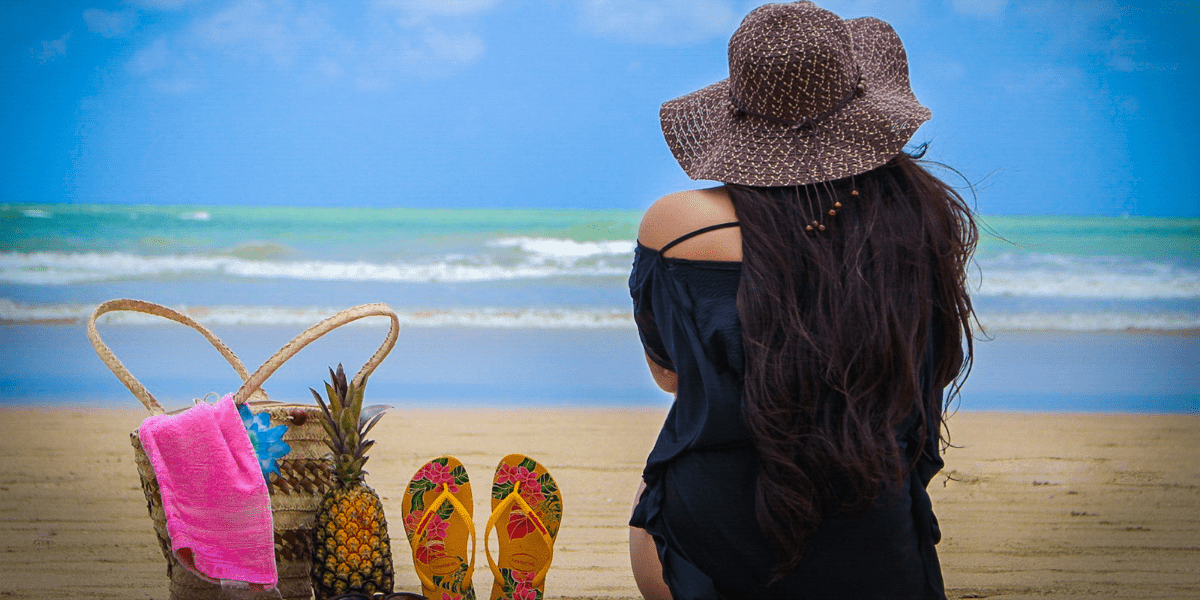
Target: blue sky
x=1053 y=107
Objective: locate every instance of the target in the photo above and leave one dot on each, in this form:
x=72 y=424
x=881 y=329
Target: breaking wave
x=561 y=318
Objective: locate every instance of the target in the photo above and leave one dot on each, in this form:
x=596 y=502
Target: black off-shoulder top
x=699 y=499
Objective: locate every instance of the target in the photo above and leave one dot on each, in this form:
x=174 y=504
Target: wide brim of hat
x=712 y=142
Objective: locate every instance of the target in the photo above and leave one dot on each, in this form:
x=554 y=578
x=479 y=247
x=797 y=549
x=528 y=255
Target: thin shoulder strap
x=687 y=236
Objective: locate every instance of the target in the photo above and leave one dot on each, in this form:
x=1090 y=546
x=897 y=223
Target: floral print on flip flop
x=537 y=491
x=518 y=585
x=455 y=585
x=432 y=542
x=428 y=479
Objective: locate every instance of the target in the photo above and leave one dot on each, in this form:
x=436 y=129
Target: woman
x=808 y=316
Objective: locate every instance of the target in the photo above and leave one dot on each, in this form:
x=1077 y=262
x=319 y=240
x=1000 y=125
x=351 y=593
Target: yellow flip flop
x=526 y=513
x=439 y=523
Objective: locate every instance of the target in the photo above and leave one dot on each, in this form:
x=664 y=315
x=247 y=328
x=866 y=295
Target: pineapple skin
x=352 y=551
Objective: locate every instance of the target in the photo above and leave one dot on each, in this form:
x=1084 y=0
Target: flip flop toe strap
x=446 y=496
x=504 y=509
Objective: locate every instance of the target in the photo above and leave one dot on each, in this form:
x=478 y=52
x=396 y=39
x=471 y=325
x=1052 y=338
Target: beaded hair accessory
x=817 y=225
x=813 y=200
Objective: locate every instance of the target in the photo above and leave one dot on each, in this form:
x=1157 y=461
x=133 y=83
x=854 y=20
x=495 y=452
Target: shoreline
x=597 y=368
x=1032 y=504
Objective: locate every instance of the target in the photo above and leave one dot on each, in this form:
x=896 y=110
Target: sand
x=1031 y=505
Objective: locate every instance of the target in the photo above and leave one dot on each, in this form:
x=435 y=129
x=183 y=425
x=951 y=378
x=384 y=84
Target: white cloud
x=430 y=53
x=109 y=23
x=1050 y=78
x=161 y=4
x=439 y=8
x=176 y=85
x=980 y=8
x=52 y=49
x=163 y=70
x=666 y=22
x=425 y=38
x=950 y=70
x=1094 y=30
x=1126 y=105
x=152 y=57
x=1124 y=53
x=330 y=68
x=453 y=48
x=252 y=30
x=373 y=42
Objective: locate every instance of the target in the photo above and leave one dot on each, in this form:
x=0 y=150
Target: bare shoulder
x=681 y=213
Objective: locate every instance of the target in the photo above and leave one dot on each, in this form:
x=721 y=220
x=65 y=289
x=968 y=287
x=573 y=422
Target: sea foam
x=564 y=249
x=543 y=258
x=602 y=264
x=57 y=268
x=560 y=318
x=1102 y=277
x=510 y=318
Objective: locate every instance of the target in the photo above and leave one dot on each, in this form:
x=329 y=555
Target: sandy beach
x=1031 y=505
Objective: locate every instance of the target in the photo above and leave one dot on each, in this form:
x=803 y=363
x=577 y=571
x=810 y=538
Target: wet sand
x=1031 y=505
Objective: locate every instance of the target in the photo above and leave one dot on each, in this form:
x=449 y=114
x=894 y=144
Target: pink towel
x=216 y=501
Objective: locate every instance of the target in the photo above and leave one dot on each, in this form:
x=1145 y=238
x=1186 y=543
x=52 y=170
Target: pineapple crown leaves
x=346 y=424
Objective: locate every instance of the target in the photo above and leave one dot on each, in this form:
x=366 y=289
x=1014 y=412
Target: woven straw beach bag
x=304 y=474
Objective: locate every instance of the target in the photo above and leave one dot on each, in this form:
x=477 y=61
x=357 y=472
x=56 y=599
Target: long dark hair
x=836 y=325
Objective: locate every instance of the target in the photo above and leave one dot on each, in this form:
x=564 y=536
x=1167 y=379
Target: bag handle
x=255 y=381
x=141 y=306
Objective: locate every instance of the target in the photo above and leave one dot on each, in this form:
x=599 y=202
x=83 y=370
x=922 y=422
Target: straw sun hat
x=809 y=98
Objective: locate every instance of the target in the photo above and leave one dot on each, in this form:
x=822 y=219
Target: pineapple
x=351 y=550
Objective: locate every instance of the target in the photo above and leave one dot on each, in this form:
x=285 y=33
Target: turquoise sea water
x=545 y=275
x=525 y=267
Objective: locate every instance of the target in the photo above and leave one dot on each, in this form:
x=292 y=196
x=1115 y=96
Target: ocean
x=510 y=306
